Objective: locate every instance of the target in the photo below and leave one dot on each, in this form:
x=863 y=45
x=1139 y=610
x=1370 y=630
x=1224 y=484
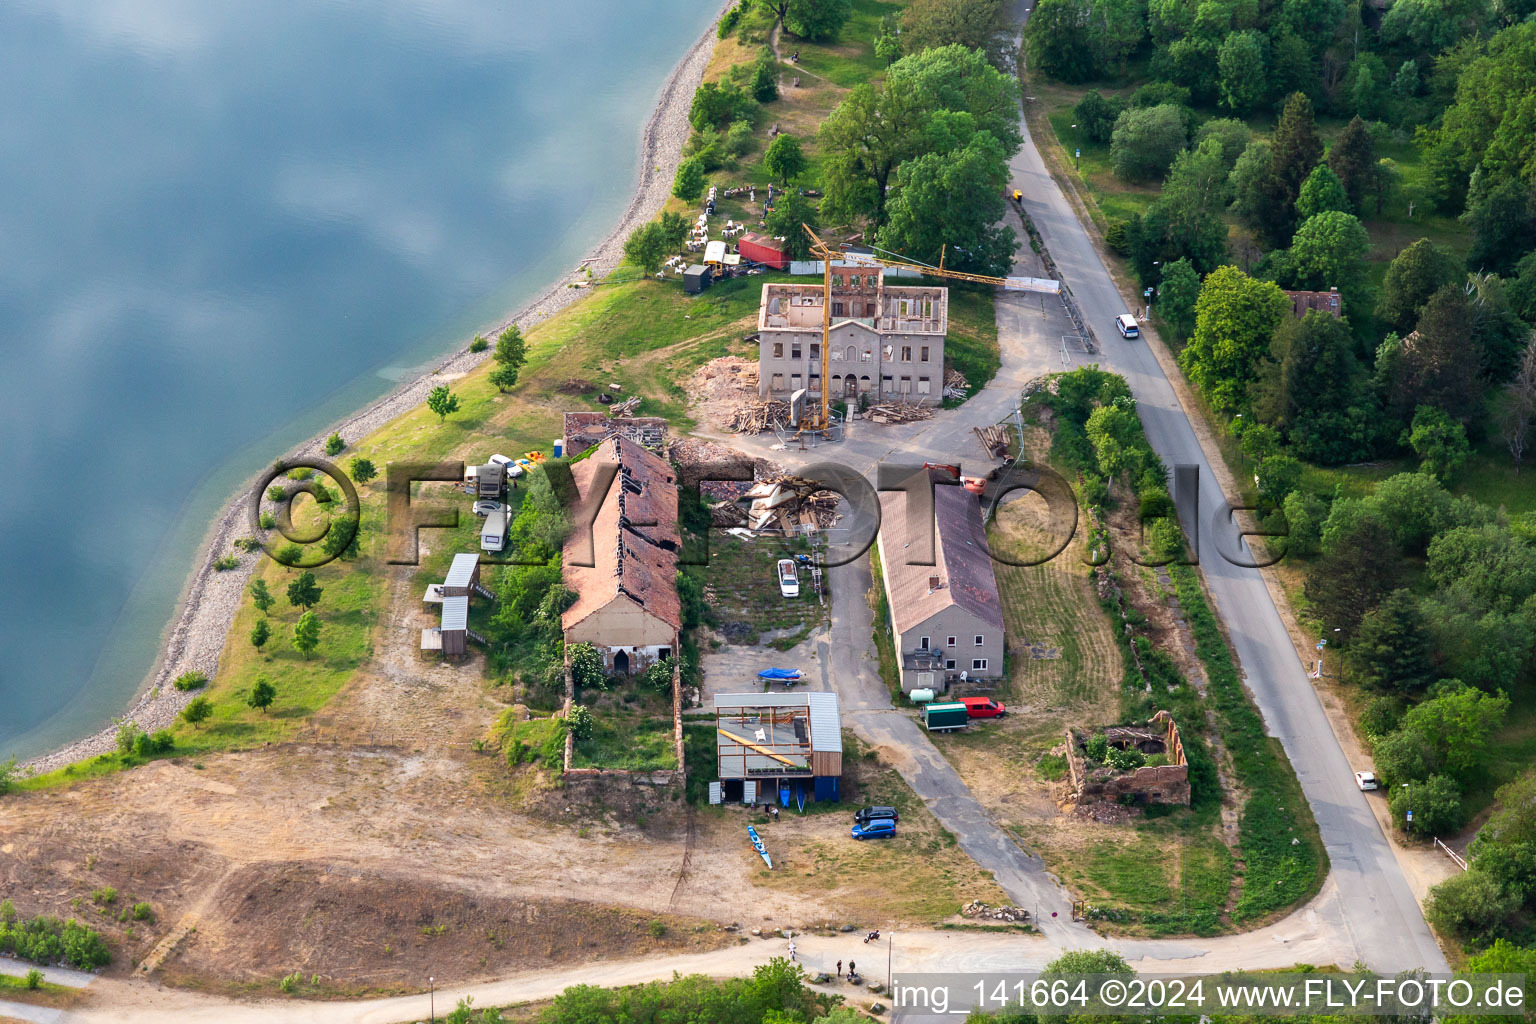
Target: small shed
x=696 y=278
x=463 y=576
x=826 y=744
x=714 y=253
x=764 y=249
x=455 y=628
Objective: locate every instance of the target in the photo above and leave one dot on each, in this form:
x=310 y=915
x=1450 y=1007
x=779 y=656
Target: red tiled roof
x=634 y=536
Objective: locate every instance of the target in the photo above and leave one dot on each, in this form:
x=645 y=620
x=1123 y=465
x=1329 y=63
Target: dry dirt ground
x=381 y=847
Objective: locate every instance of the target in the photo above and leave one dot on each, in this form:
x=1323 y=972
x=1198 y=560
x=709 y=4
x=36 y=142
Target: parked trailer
x=945 y=717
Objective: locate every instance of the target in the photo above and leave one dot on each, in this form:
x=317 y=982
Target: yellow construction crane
x=822 y=251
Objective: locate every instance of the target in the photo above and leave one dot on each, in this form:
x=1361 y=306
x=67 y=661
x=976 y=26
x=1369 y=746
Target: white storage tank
x=921 y=696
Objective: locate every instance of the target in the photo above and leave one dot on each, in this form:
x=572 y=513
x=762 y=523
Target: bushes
x=1279 y=873
x=47 y=940
x=191 y=681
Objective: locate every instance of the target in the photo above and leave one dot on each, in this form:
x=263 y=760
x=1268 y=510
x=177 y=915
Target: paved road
x=1379 y=909
x=118 y=1002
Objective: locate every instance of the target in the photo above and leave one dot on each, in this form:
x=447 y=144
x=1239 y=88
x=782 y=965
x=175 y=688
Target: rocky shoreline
x=206 y=612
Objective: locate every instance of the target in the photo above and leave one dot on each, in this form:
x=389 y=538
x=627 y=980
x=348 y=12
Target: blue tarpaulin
x=780 y=673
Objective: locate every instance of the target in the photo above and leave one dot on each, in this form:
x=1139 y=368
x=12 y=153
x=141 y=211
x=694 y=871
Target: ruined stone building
x=887 y=341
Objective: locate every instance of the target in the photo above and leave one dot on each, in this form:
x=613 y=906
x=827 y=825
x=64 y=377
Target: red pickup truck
x=983 y=707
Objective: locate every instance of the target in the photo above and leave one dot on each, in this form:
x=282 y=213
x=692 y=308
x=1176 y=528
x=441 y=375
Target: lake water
x=223 y=226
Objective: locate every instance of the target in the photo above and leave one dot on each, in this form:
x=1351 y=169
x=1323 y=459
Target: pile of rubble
x=755 y=415
x=899 y=412
x=978 y=909
x=724 y=391
x=955 y=385
x=788 y=503
x=626 y=407
x=575 y=386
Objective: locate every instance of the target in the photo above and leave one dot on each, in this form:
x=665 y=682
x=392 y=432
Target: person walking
x=839 y=968
x=850 y=970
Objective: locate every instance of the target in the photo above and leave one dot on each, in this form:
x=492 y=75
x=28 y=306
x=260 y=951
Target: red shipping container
x=764 y=249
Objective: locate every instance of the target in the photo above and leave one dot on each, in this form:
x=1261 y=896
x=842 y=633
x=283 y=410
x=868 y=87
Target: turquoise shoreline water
x=224 y=229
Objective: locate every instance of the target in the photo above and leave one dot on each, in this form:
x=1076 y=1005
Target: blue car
x=874 y=829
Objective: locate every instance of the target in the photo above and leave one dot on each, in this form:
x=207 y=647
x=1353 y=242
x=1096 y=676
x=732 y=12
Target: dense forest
x=1381 y=155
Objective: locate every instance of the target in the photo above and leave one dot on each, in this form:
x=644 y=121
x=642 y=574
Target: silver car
x=485 y=508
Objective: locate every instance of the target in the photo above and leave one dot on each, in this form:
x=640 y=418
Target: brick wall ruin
x=1161 y=784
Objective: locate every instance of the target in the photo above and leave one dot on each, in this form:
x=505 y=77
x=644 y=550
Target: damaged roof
x=634 y=537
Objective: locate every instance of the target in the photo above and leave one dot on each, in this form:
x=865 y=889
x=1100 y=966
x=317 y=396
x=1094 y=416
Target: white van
x=493 y=533
x=1126 y=324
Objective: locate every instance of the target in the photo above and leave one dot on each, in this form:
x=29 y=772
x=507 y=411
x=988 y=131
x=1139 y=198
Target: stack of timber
x=995 y=440
x=955 y=385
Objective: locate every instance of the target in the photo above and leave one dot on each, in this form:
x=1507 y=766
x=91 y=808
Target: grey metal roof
x=461 y=571
x=761 y=700
x=826 y=723
x=455 y=613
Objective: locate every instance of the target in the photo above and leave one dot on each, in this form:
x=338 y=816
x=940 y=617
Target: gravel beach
x=211 y=599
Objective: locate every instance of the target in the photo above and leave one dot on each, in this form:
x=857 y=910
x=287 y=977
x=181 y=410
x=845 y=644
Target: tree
x=1503 y=223
x=1358 y=568
x=1241 y=61
x=1295 y=149
x=1415 y=508
x=1439 y=364
x=784 y=160
x=1278 y=477
x=303 y=593
x=586 y=665
x=261 y=694
x=7 y=774
x=765 y=78
x=1439 y=442
x=984 y=25
x=442 y=401
x=1322 y=192
x=955 y=200
x=1366 y=84
x=1058 y=40
x=1313 y=388
x=1517 y=406
x=887 y=42
x=1245 y=181
x=873 y=130
x=1403 y=756
x=1095 y=115
x=362 y=470
x=1114 y=431
x=790 y=215
x=306 y=633
x=261 y=597
x=261 y=633
x=1329 y=251
x=646 y=248
x=1434 y=25
x=1488 y=126
x=689 y=183
x=1469 y=904
x=1145 y=141
x=334 y=444
x=1483 y=563
x=1457 y=724
x=1392 y=651
x=1118 y=28
x=817 y=19
x=1230 y=134
x=717 y=104
x=1435 y=803
x=1235 y=317
x=1304 y=515
x=1414 y=275
x=197 y=710
x=1176 y=297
